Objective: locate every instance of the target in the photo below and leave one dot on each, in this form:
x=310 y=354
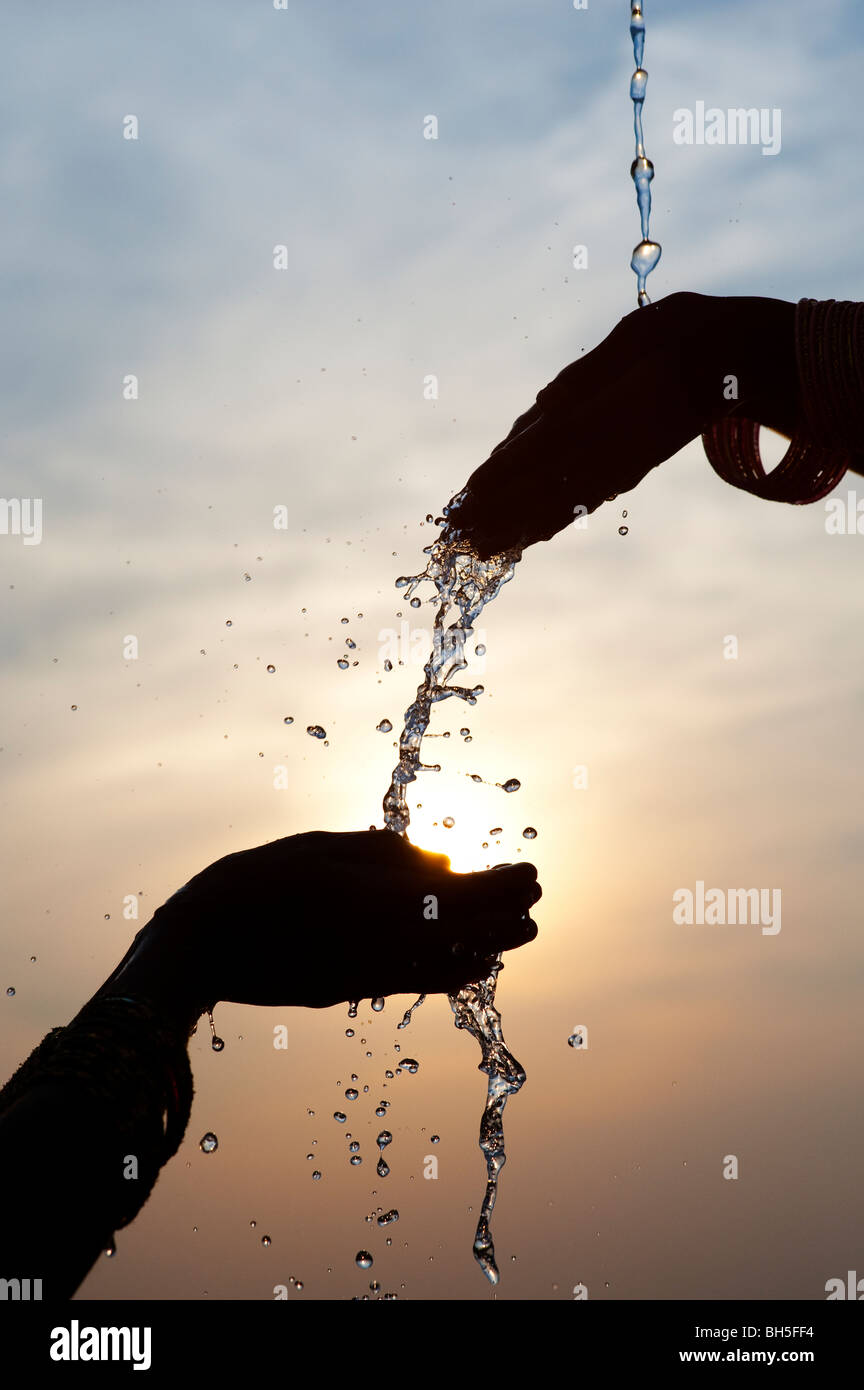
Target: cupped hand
x=321 y=918
x=656 y=382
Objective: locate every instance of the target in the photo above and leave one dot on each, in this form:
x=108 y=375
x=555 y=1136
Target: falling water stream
x=464 y=585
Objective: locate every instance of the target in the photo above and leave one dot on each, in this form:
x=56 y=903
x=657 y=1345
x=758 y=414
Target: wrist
x=754 y=358
x=155 y=970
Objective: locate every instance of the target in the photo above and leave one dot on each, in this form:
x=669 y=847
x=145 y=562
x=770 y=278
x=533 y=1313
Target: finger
x=484 y=936
x=514 y=884
x=527 y=491
x=519 y=425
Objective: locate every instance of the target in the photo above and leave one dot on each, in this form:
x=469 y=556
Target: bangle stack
x=829 y=349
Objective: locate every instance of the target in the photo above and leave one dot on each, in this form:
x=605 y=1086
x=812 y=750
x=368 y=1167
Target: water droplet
x=638 y=83
x=480 y=650
x=415 y=603
x=363 y=1260
x=342 y=664
x=228 y=622
x=316 y=1176
x=384 y=727
x=289 y=719
x=645 y=257
x=73 y=706
x=382 y=1168
x=377 y=1005
x=388 y=1217
x=380 y=1111
x=408 y=1064
x=271 y=670
x=349 y=1032
x=388 y=665
x=32 y=958
x=496 y=830
x=265 y=1240
x=448 y=822
x=352 y=1008
x=351 y=1094
x=217 y=1044
x=435 y=1139
x=11 y=990
x=512 y=784
x=253 y=1224
x=529 y=833
x=624 y=513
x=384 y=1138
x=339 y=1117
x=316 y=731
x=576 y=1040
x=355 y=1160
x=343 y=620
x=208 y=1143
x=623 y=530
x=111 y=1251
x=464 y=732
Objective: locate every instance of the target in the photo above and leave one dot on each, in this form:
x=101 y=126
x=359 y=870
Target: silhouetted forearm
x=86 y=1123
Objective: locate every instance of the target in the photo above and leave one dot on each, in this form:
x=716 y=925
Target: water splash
x=383 y=1167
x=409 y=1013
x=464 y=585
x=474 y=1009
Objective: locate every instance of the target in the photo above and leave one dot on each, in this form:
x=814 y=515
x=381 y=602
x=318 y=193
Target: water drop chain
x=647 y=253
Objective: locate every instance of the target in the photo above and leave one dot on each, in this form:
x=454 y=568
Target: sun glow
x=468 y=842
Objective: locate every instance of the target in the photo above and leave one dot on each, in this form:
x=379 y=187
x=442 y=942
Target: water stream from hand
x=464 y=585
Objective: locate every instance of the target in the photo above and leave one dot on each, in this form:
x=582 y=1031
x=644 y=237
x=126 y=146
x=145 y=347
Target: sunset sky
x=304 y=388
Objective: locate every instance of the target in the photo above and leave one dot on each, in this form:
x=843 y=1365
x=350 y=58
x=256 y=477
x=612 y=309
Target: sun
x=463 y=833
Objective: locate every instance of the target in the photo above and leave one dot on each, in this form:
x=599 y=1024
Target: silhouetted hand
x=656 y=382
x=321 y=918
